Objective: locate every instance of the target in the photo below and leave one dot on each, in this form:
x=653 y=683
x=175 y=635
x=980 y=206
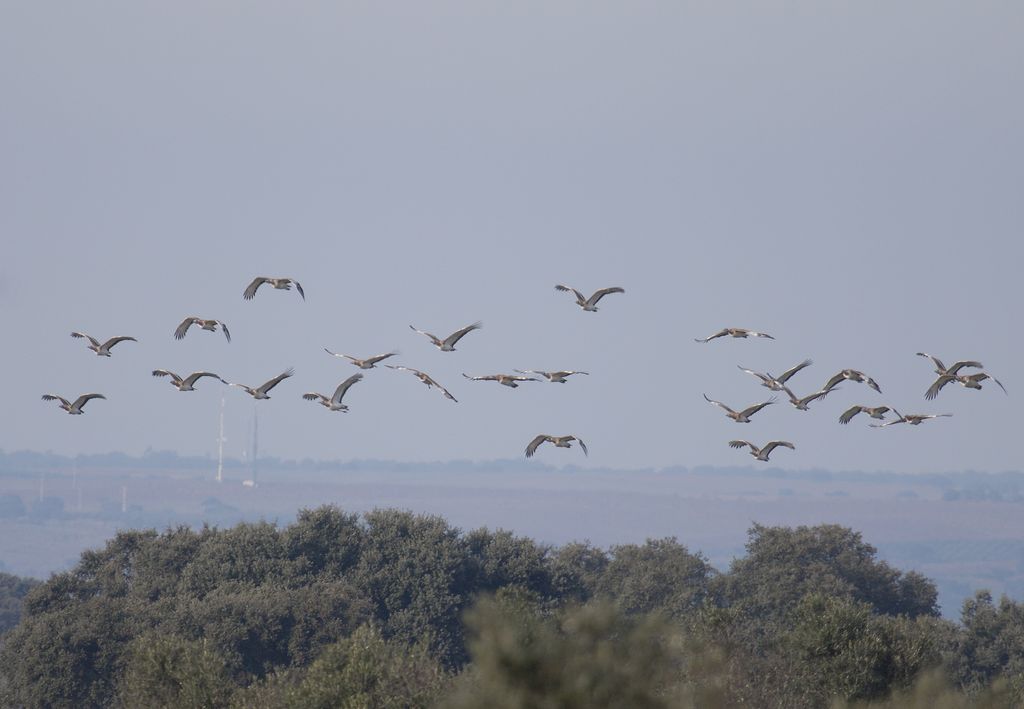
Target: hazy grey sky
x=845 y=176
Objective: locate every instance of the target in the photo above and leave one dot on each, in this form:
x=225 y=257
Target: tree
x=167 y=672
x=12 y=594
x=991 y=645
x=660 y=575
x=365 y=671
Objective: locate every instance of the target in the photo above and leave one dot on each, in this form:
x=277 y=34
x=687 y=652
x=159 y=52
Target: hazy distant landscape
x=965 y=531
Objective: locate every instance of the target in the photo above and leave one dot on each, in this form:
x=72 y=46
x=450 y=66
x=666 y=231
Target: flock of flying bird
x=333 y=402
x=946 y=375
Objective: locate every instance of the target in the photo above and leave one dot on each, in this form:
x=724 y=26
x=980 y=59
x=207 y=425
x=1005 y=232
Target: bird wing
x=90 y=338
x=740 y=444
x=760 y=334
x=225 y=329
x=456 y=336
x=250 y=290
x=872 y=383
x=763 y=377
x=342 y=356
x=751 y=410
x=313 y=396
x=957 y=366
x=180 y=331
x=784 y=377
x=298 y=287
x=114 y=340
x=813 y=397
x=772 y=445
x=54 y=397
x=483 y=378
x=80 y=401
x=343 y=387
x=378 y=358
x=721 y=333
x=433 y=338
x=848 y=415
x=989 y=376
x=532 y=447
x=166 y=373
x=592 y=300
x=191 y=379
x=579 y=296
x=937 y=385
x=834 y=380
x=940 y=368
x=719 y=404
x=276 y=380
x=582 y=445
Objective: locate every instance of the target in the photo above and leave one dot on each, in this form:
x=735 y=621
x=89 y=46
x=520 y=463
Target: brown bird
x=210 y=325
x=740 y=416
x=764 y=452
x=802 y=403
x=941 y=369
x=559 y=376
x=260 y=392
x=425 y=378
x=76 y=407
x=188 y=382
x=104 y=349
x=509 y=380
x=854 y=376
x=970 y=381
x=589 y=304
x=368 y=363
x=734 y=332
x=448 y=343
x=912 y=419
x=279 y=283
x=333 y=403
x=875 y=412
x=559 y=441
x=777 y=383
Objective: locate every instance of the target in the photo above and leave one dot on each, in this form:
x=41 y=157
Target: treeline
x=391 y=609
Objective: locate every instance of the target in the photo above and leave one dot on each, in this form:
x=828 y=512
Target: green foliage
x=991 y=645
x=168 y=672
x=783 y=565
x=365 y=671
x=660 y=575
x=588 y=657
x=371 y=611
x=13 y=590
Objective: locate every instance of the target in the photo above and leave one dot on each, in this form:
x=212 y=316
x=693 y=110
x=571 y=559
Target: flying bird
x=559 y=441
x=740 y=416
x=970 y=381
x=104 y=349
x=260 y=392
x=425 y=378
x=509 y=380
x=368 y=363
x=559 y=376
x=589 y=304
x=761 y=453
x=875 y=412
x=73 y=408
x=777 y=383
x=448 y=343
x=801 y=404
x=734 y=332
x=941 y=369
x=912 y=419
x=854 y=376
x=279 y=283
x=333 y=403
x=188 y=382
x=210 y=325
